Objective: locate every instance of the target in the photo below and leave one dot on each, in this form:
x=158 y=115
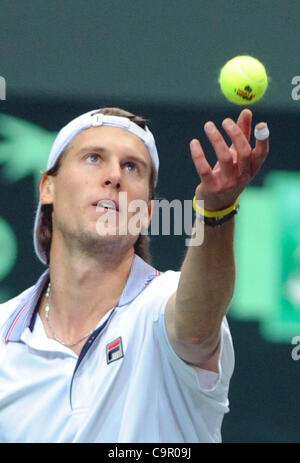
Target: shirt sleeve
x=212 y=384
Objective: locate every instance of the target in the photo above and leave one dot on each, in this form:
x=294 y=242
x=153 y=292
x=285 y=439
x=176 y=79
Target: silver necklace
x=47 y=310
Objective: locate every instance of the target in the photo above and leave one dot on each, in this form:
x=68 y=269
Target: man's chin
x=107 y=230
x=109 y=237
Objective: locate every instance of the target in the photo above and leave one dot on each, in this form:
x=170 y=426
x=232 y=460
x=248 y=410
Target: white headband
x=91 y=119
x=68 y=132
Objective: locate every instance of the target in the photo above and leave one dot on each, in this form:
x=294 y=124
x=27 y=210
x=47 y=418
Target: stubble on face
x=86 y=243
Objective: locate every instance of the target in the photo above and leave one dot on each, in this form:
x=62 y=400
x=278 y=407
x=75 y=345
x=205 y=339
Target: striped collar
x=24 y=315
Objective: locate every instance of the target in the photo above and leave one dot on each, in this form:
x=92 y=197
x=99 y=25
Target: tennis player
x=104 y=347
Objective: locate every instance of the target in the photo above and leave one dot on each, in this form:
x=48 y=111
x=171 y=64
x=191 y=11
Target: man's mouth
x=106 y=204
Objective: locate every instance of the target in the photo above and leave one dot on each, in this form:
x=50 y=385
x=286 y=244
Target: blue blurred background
x=161 y=59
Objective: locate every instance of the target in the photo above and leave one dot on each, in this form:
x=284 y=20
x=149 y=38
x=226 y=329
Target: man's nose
x=113 y=175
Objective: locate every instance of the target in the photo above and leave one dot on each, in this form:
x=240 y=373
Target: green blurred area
x=267 y=245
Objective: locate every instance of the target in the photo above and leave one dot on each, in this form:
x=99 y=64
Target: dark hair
x=44 y=228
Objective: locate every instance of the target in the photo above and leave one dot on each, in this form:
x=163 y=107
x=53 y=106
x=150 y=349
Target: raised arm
x=194 y=313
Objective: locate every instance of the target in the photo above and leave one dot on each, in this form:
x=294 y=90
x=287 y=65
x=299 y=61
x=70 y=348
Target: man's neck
x=83 y=291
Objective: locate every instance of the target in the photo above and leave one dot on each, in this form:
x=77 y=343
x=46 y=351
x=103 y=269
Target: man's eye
x=131 y=166
x=93 y=157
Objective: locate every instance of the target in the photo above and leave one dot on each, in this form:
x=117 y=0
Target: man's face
x=100 y=163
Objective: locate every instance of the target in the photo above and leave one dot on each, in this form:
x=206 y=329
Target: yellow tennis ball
x=243 y=80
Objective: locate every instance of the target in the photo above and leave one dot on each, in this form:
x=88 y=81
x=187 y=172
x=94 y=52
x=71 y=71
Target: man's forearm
x=194 y=313
x=206 y=284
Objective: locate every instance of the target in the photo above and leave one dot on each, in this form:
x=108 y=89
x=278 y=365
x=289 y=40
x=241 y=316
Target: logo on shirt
x=114 y=350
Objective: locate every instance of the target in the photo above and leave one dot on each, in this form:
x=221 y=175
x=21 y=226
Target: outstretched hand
x=237 y=165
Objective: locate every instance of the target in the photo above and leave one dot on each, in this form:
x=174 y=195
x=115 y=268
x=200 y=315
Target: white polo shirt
x=127 y=385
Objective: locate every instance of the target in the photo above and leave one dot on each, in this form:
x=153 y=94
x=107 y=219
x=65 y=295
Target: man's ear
x=46 y=189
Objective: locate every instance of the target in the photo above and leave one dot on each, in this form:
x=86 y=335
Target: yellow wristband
x=214 y=214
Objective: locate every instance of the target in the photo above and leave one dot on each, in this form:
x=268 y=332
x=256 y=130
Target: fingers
x=240 y=143
x=239 y=159
x=202 y=166
x=244 y=122
x=222 y=151
x=261 y=149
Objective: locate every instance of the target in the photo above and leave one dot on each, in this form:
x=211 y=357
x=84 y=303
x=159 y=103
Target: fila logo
x=114 y=350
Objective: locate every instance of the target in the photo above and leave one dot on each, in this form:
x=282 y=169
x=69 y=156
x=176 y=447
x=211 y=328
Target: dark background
x=161 y=59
